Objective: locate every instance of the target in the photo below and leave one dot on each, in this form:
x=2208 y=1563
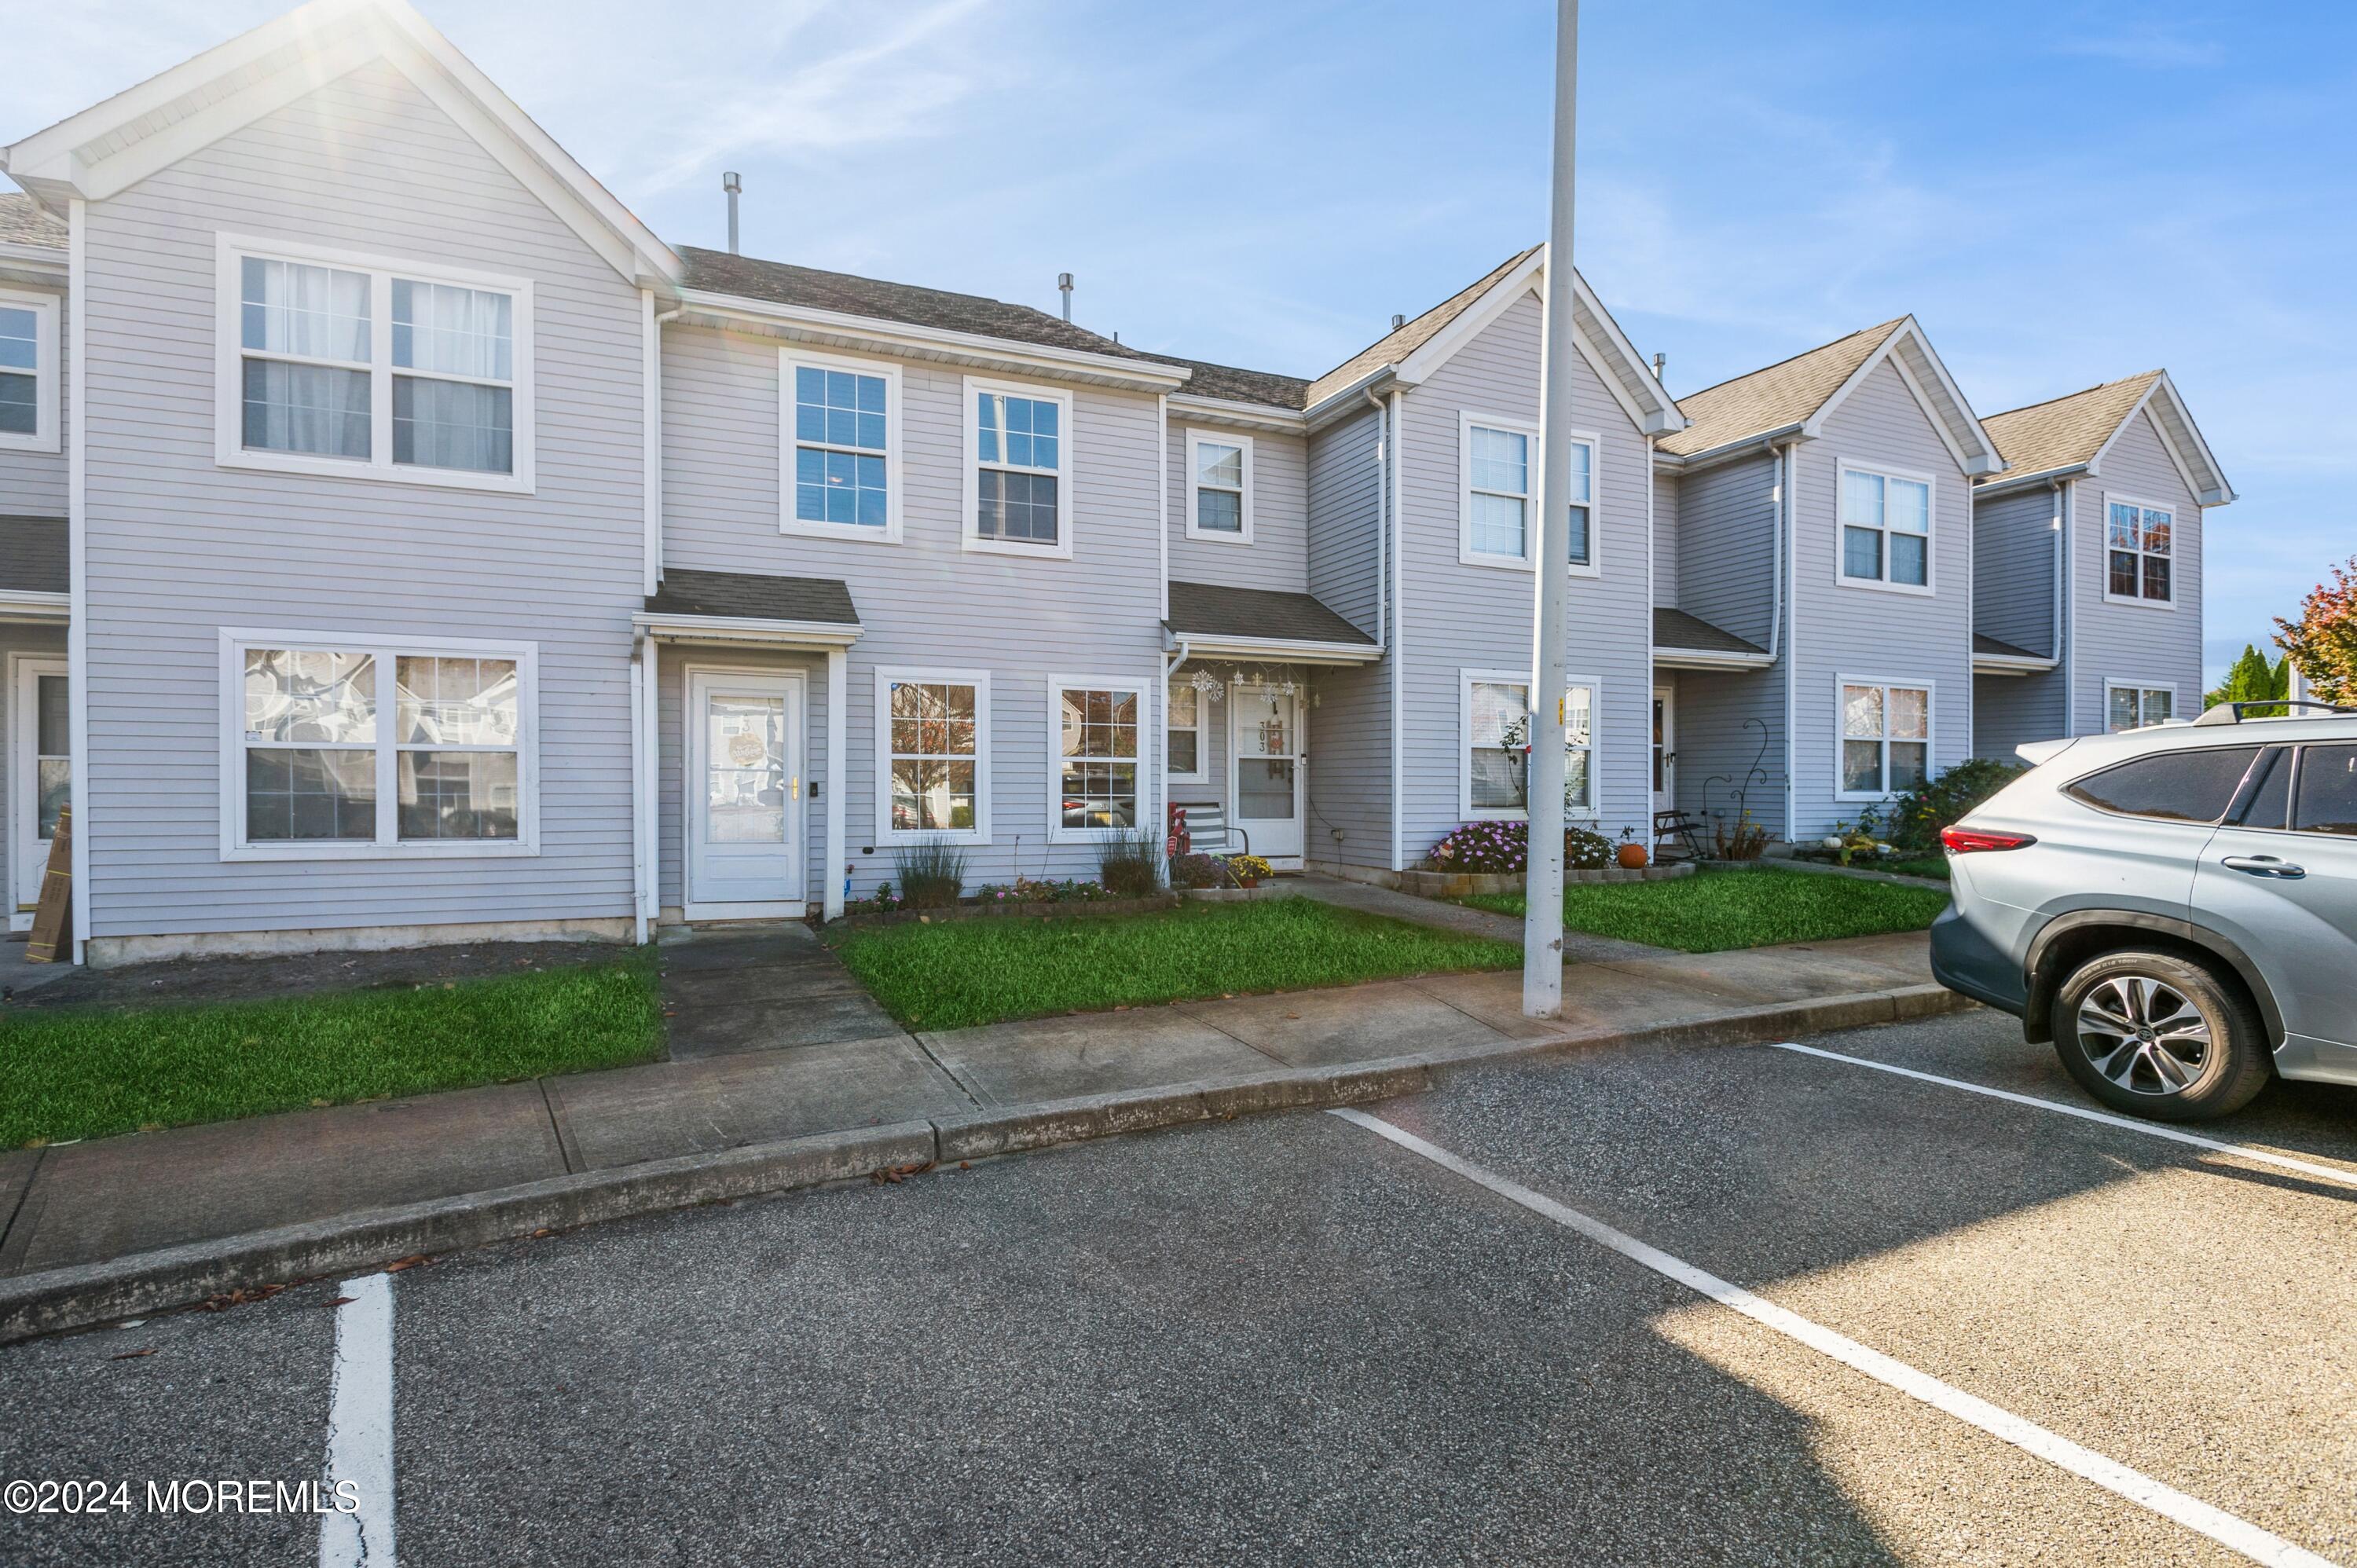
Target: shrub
x=930 y=874
x=1917 y=816
x=1250 y=868
x=1199 y=871
x=1130 y=863
x=1503 y=848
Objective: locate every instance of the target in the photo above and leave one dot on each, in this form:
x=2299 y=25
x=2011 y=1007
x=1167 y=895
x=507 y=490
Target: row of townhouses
x=399 y=541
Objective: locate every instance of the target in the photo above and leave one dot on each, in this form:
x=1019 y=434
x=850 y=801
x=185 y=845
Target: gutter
x=1766 y=441
x=746 y=628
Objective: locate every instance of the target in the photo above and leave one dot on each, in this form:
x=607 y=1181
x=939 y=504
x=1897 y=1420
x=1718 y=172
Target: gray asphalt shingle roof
x=33 y=558
x=753 y=596
x=22 y=222
x=1393 y=347
x=1211 y=610
x=1677 y=629
x=2065 y=431
x=1240 y=385
x=1983 y=643
x=1772 y=397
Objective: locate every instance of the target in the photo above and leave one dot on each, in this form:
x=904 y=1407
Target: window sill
x=2139 y=603
x=1495 y=563
x=863 y=533
x=1920 y=591
x=1853 y=798
x=14 y=442
x=915 y=838
x=1217 y=536
x=974 y=545
x=371 y=473
x=515 y=850
x=1058 y=834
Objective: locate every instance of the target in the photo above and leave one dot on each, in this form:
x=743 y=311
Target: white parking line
x=360 y=1429
x=2149 y=1129
x=2238 y=1534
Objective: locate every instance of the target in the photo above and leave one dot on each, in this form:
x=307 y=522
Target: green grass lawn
x=1714 y=910
x=1932 y=865
x=87 y=1072
x=958 y=973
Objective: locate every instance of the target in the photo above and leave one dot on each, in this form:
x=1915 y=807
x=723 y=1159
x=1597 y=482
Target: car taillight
x=1972 y=841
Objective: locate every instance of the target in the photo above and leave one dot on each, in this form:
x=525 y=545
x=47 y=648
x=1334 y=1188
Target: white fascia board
x=1741 y=446
x=38 y=258
x=746 y=628
x=1966 y=441
x=1228 y=411
x=1470 y=323
x=25 y=604
x=873 y=335
x=1661 y=417
x=1353 y=398
x=2000 y=664
x=1708 y=659
x=2195 y=463
x=1271 y=650
x=2010 y=484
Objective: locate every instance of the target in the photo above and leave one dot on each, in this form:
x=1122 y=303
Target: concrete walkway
x=1578 y=947
x=773 y=1041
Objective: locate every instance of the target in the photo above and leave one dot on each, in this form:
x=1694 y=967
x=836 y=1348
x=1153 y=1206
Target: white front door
x=1265 y=769
x=744 y=795
x=1665 y=749
x=40 y=777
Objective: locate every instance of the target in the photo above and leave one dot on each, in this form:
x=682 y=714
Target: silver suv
x=2174 y=908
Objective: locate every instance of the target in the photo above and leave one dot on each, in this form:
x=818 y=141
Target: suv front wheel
x=2159 y=1035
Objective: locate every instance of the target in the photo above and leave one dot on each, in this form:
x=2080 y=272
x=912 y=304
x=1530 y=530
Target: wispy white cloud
x=2151 y=45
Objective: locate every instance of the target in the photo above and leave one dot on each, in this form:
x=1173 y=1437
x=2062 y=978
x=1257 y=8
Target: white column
x=1543 y=926
x=638 y=790
x=837 y=661
x=653 y=785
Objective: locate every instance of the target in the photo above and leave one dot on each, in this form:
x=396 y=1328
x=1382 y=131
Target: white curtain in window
x=453 y=425
x=306 y=408
x=316 y=312
x=455 y=331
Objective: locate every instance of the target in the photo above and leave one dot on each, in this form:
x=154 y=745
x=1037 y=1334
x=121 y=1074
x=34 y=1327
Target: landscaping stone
x=1239 y=894
x=1490 y=883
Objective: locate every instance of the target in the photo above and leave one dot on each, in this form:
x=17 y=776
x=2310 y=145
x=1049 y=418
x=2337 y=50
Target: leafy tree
x=2253 y=680
x=2323 y=640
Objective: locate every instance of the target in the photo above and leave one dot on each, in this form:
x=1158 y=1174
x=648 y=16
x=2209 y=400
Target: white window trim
x=2104 y=550
x=229 y=424
x=47 y=434
x=1142 y=687
x=388 y=844
x=1883 y=585
x=1466 y=811
x=2139 y=687
x=886 y=674
x=1067 y=443
x=1468 y=556
x=1931 y=731
x=1202 y=773
x=1194 y=483
x=788 y=359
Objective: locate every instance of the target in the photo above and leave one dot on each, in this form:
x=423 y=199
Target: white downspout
x=1787 y=556
x=77 y=437
x=838 y=764
x=1397 y=652
x=639 y=788
x=1382 y=514
x=652 y=786
x=2066 y=592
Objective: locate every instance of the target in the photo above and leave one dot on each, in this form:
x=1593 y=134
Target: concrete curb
x=145 y=1283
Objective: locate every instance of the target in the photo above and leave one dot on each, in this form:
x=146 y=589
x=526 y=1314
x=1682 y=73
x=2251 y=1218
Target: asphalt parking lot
x=1301 y=1337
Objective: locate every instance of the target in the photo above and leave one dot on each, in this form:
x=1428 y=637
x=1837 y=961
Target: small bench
x=1209 y=831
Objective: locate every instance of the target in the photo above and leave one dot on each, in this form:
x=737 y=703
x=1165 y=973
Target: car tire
x=2160 y=1035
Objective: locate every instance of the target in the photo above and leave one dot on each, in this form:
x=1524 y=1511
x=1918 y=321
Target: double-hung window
x=2138 y=541
x=1097 y=771
x=349 y=745
x=1886 y=530
x=934 y=755
x=1019 y=470
x=841 y=419
x=1886 y=738
x=339 y=364
x=1496 y=776
x=1501 y=462
x=1185 y=729
x=28 y=372
x=1218 y=487
x=2134 y=707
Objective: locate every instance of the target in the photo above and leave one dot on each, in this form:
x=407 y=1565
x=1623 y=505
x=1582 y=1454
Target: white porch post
x=638 y=789
x=653 y=781
x=837 y=661
x=1543 y=924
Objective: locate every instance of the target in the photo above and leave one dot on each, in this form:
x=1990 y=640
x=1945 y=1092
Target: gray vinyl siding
x=1460 y=617
x=1665 y=539
x=673 y=664
x=2131 y=643
x=2016 y=568
x=1726 y=546
x=1729 y=724
x=926 y=601
x=1866 y=633
x=40 y=642
x=1277 y=557
x=1724 y=549
x=180 y=549
x=33 y=484
x=1345 y=547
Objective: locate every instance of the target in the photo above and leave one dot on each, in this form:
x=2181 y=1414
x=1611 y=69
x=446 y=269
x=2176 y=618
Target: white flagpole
x=1543 y=926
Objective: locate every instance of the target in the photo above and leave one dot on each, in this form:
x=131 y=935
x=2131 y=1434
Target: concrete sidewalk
x=193 y=1209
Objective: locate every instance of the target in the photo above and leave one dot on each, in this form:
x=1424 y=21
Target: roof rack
x=2232 y=712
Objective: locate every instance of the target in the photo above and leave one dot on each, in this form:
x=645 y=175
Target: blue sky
x=2063 y=193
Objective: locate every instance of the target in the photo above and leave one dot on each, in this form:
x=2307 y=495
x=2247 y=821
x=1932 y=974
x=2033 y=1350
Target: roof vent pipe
x=730 y=182
x=1661 y=363
x=1064 y=284
x=1398 y=322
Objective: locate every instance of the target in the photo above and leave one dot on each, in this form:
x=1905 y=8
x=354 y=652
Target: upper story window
x=1018 y=471
x=350 y=747
x=1501 y=467
x=1886 y=530
x=1218 y=487
x=1886 y=739
x=338 y=364
x=2138 y=541
x=28 y=372
x=2134 y=707
x=843 y=421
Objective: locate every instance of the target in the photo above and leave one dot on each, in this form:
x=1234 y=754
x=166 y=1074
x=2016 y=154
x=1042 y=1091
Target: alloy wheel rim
x=2144 y=1034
